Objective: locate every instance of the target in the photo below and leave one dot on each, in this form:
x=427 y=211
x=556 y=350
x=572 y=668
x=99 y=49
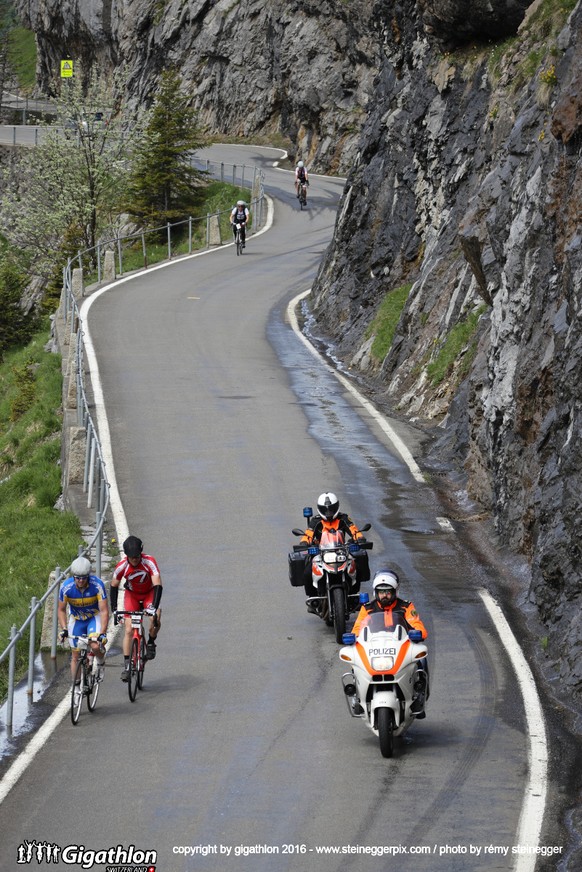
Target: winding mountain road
x=240 y=754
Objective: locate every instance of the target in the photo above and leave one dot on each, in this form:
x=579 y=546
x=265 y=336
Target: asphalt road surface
x=239 y=754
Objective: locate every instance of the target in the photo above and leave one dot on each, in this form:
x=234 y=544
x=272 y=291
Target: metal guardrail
x=95 y=483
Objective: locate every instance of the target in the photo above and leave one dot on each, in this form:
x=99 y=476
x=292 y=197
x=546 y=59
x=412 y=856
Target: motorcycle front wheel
x=386 y=731
x=339 y=613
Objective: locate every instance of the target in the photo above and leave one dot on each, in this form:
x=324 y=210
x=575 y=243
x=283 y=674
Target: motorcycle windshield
x=331 y=538
x=383 y=622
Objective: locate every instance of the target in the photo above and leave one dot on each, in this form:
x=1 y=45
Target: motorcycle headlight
x=382 y=664
x=330 y=557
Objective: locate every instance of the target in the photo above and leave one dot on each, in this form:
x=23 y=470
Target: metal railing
x=95 y=483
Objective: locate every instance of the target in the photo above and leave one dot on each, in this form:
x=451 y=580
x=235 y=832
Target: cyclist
x=240 y=216
x=143 y=590
x=86 y=597
x=301 y=177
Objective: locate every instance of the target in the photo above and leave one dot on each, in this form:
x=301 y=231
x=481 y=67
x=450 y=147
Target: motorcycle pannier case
x=297 y=568
x=362 y=566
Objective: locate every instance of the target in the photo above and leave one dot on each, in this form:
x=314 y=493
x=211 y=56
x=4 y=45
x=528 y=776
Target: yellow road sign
x=66 y=69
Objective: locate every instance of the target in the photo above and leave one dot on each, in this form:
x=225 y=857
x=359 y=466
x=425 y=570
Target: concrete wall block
x=214 y=235
x=76 y=455
x=109 y=266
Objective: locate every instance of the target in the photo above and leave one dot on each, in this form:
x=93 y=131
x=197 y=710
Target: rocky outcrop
x=468 y=184
x=298 y=69
x=460 y=122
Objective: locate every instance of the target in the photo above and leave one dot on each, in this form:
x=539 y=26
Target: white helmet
x=386 y=578
x=300 y=164
x=240 y=203
x=328 y=506
x=81 y=567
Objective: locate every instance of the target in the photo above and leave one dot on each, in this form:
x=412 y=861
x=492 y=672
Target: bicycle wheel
x=92 y=690
x=142 y=662
x=77 y=691
x=238 y=243
x=133 y=671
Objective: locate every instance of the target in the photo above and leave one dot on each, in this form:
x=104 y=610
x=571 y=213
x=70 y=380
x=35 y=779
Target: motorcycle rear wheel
x=339 y=613
x=386 y=731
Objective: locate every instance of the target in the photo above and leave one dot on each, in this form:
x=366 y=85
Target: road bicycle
x=238 y=241
x=86 y=682
x=302 y=195
x=138 y=652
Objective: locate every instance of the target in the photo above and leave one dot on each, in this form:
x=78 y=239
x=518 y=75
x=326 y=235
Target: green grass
x=386 y=320
x=461 y=335
x=22 y=55
x=35 y=537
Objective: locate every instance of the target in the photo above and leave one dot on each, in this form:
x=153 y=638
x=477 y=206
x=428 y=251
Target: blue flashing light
x=307 y=512
x=349 y=638
x=313 y=550
x=364 y=598
x=415 y=635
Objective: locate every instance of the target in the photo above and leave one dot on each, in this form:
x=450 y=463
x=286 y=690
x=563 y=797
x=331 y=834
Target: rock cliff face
x=460 y=122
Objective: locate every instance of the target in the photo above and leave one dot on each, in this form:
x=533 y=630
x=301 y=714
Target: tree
x=163 y=185
x=70 y=185
x=16 y=327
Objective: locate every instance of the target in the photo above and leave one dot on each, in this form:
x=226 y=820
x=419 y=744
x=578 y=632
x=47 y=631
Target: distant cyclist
x=143 y=589
x=238 y=218
x=301 y=177
x=86 y=597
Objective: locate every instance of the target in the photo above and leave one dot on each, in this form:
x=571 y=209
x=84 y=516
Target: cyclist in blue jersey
x=86 y=597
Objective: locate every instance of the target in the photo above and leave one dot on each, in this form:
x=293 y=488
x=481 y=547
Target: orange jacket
x=402 y=608
x=342 y=522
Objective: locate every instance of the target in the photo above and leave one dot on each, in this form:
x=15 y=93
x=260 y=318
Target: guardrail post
x=55 y=616
x=189 y=234
x=119 y=257
x=98 y=544
x=88 y=439
x=99 y=262
x=31 y=645
x=91 y=472
x=169 y=231
x=11 y=667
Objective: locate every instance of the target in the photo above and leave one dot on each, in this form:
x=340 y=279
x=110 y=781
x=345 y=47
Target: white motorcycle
x=389 y=667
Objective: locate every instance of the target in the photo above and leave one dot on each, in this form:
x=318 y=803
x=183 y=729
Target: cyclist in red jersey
x=143 y=584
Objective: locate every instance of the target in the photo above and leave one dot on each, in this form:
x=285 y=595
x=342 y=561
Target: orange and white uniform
x=394 y=613
x=342 y=523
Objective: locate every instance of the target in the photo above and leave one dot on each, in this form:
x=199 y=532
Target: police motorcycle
x=388 y=667
x=331 y=573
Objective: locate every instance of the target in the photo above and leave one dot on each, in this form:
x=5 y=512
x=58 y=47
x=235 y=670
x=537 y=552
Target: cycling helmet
x=81 y=567
x=300 y=164
x=133 y=546
x=384 y=579
x=328 y=506
x=240 y=203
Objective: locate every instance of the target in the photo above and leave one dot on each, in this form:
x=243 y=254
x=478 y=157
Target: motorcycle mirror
x=307 y=512
x=364 y=598
x=366 y=527
x=297 y=532
x=349 y=639
x=415 y=635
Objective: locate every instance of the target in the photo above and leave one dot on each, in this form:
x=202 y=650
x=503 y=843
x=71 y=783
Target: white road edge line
x=400 y=446
x=533 y=807
x=25 y=758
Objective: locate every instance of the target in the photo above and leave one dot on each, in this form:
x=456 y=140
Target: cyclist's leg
x=93 y=631
x=131 y=603
x=76 y=628
x=154 y=626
